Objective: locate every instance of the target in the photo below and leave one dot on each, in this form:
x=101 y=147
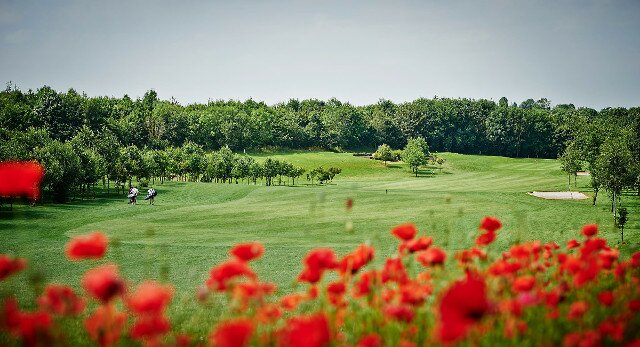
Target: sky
x=582 y=52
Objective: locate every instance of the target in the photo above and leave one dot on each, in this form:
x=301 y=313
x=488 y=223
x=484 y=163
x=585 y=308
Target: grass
x=193 y=225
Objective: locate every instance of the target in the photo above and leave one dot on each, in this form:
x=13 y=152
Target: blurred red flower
x=523 y=283
x=404 y=232
x=589 y=230
x=432 y=256
x=268 y=313
x=606 y=298
x=149 y=327
x=105 y=325
x=357 y=259
x=223 y=273
x=316 y=262
x=402 y=313
x=247 y=251
x=90 y=246
x=370 y=340
x=461 y=306
x=150 y=298
x=394 y=271
x=10 y=265
x=415 y=245
x=232 y=333
x=490 y=224
x=309 y=331
x=578 y=309
x=21 y=179
x=486 y=238
x=61 y=300
x=103 y=283
x=571 y=244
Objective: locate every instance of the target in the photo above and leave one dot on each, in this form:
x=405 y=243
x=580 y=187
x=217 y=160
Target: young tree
x=614 y=168
x=415 y=153
x=384 y=153
x=621 y=221
x=570 y=163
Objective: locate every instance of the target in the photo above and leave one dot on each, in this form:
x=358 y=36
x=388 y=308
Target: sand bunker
x=559 y=195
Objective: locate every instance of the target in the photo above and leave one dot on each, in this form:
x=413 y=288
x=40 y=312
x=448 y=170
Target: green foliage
x=384 y=153
x=416 y=154
x=63 y=168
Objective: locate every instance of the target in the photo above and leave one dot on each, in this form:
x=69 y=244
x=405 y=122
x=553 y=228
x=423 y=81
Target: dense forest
x=91 y=138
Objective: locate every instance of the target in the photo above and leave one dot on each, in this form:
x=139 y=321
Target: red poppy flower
x=371 y=340
x=233 y=333
x=316 y=262
x=404 y=232
x=103 y=283
x=291 y=301
x=310 y=275
x=432 y=256
x=310 y=331
x=414 y=294
x=613 y=329
x=394 y=271
x=365 y=283
x=461 y=306
x=634 y=305
x=354 y=261
x=321 y=258
x=90 y=246
x=35 y=329
x=486 y=238
x=105 y=325
x=268 y=313
x=589 y=230
x=606 y=298
x=573 y=244
x=419 y=244
x=61 y=300
x=9 y=265
x=490 y=224
x=577 y=309
x=523 y=283
x=21 y=179
x=402 y=313
x=150 y=298
x=149 y=327
x=635 y=260
x=220 y=275
x=253 y=290
x=247 y=251
x=336 y=288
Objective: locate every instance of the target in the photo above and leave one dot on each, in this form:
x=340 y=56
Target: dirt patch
x=559 y=195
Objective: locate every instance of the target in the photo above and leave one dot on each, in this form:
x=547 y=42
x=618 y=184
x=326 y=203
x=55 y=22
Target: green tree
x=570 y=163
x=614 y=168
x=415 y=154
x=384 y=153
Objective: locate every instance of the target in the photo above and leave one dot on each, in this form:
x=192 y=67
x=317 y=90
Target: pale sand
x=559 y=195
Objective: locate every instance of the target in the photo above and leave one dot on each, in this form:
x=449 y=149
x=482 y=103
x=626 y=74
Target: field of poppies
x=578 y=294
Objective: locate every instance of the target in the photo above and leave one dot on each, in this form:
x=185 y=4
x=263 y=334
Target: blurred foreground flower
x=21 y=179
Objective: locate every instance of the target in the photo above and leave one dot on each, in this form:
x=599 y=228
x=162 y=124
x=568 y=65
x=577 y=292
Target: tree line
x=530 y=129
x=607 y=144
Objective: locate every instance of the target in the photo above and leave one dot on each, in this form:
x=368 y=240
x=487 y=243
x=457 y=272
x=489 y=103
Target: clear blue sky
x=582 y=52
